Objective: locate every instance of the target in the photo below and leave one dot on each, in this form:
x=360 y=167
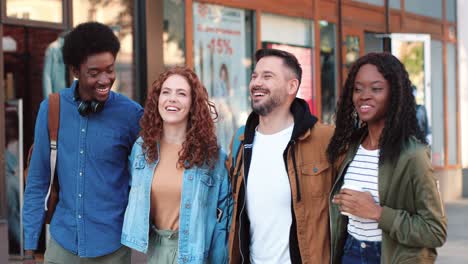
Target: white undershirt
x=269 y=199
x=363 y=171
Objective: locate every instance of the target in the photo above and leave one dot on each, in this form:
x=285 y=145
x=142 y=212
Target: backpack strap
x=236 y=143
x=53 y=124
x=236 y=147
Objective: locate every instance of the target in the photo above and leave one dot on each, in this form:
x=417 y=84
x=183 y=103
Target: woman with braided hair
x=385 y=203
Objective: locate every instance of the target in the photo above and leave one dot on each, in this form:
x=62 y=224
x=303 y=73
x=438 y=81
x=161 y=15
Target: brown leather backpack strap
x=53 y=124
x=54 y=115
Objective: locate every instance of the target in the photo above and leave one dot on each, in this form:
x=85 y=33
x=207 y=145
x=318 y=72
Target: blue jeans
x=365 y=252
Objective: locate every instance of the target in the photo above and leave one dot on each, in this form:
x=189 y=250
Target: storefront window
x=298 y=39
x=37 y=10
x=372 y=2
x=411 y=54
x=452 y=105
x=372 y=43
x=118 y=14
x=413 y=50
x=174 y=32
x=222 y=60
x=437 y=95
x=328 y=70
x=394 y=4
x=430 y=8
x=352 y=50
x=451 y=10
x=14 y=173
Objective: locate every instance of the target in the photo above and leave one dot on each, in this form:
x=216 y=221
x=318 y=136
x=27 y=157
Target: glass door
x=414 y=51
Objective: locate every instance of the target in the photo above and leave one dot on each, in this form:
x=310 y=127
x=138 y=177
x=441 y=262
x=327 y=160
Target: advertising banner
x=219 y=52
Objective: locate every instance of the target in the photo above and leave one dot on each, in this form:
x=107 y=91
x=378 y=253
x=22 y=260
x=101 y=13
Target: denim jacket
x=204 y=216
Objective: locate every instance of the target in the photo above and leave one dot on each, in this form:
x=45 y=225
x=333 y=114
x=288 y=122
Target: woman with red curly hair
x=179 y=199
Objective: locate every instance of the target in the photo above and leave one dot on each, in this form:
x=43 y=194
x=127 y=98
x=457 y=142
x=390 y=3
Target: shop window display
x=222 y=60
x=328 y=70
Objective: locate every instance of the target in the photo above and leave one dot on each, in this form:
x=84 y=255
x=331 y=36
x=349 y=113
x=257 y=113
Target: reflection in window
x=452 y=34
x=411 y=54
x=352 y=50
x=299 y=30
x=174 y=32
x=394 y=4
x=372 y=2
x=451 y=10
x=430 y=8
x=38 y=10
x=452 y=105
x=372 y=43
x=437 y=96
x=118 y=14
x=328 y=71
x=222 y=59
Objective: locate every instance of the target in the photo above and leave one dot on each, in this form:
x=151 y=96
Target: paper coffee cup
x=350 y=186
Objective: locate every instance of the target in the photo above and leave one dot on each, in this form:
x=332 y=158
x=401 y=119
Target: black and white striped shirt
x=363 y=171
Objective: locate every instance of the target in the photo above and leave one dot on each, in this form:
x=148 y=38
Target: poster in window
x=219 y=51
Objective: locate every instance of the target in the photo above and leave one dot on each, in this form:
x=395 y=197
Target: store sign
x=219 y=51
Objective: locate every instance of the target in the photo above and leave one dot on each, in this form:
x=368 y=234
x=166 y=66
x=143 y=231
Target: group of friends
x=292 y=190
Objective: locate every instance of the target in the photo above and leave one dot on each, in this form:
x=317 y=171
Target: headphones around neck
x=87 y=107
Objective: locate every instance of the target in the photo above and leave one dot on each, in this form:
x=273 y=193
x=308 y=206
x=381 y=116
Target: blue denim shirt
x=204 y=210
x=93 y=173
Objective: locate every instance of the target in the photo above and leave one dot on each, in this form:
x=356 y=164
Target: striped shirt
x=363 y=171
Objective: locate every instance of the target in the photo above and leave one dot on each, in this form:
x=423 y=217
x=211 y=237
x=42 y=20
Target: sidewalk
x=455 y=250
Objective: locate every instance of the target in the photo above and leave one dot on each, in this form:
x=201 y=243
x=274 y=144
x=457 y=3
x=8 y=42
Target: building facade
x=218 y=38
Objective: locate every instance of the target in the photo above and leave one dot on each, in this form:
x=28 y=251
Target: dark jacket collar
x=303 y=120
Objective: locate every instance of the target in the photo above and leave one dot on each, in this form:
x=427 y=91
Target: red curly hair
x=200 y=146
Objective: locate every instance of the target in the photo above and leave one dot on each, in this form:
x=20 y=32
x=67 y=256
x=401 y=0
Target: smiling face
x=371 y=95
x=175 y=100
x=270 y=86
x=96 y=76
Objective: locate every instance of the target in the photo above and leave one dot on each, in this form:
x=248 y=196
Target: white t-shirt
x=363 y=171
x=269 y=199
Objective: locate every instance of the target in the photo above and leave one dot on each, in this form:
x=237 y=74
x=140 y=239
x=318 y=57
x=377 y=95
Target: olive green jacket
x=413 y=220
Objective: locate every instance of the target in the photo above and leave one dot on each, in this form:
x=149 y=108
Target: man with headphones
x=97 y=130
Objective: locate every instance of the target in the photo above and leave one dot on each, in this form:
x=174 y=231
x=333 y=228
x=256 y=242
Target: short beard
x=267 y=107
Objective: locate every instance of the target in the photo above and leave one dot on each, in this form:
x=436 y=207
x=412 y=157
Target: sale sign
x=219 y=55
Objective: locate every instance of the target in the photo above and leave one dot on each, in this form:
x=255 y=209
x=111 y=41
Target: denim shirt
x=204 y=206
x=92 y=170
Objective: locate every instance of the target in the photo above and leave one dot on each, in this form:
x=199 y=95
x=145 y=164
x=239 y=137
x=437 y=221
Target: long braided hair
x=400 y=122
